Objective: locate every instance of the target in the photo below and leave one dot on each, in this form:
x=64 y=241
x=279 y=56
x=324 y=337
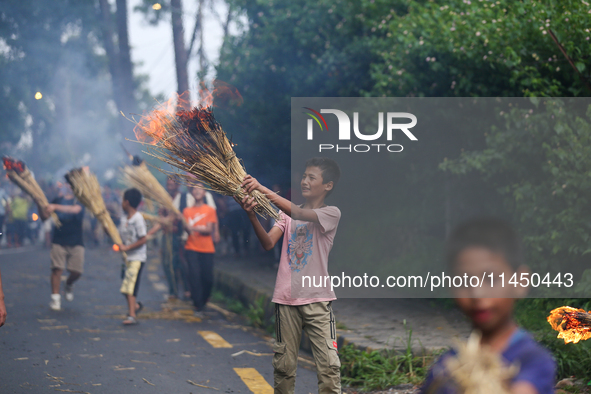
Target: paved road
x=84 y=348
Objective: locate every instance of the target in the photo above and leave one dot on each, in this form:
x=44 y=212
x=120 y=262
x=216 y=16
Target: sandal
x=130 y=321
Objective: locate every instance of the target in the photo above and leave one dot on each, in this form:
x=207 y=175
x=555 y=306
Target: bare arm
x=154 y=230
x=267 y=239
x=135 y=245
x=2 y=305
x=73 y=209
x=216 y=232
x=297 y=213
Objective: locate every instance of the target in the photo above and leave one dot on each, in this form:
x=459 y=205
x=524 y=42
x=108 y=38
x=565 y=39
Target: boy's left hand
x=250 y=183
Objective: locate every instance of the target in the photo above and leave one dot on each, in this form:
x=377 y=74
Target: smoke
x=78 y=123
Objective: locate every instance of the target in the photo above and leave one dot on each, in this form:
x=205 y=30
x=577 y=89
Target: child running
x=309 y=234
x=134 y=236
x=490 y=245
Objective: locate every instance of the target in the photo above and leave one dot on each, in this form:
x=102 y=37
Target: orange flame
x=11 y=164
x=116 y=247
x=153 y=125
x=35 y=217
x=567 y=321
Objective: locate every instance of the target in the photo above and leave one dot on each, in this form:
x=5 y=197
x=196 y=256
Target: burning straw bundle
x=477 y=370
x=573 y=325
x=139 y=176
x=18 y=173
x=194 y=142
x=87 y=190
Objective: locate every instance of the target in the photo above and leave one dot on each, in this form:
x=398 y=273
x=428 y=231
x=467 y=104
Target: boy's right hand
x=247 y=203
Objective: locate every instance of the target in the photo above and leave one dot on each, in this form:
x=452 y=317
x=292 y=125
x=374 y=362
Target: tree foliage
x=290 y=49
x=483 y=48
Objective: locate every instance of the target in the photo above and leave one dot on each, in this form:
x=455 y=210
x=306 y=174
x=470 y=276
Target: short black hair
x=133 y=197
x=330 y=170
x=493 y=234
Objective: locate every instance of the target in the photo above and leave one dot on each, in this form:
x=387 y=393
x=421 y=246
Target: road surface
x=84 y=348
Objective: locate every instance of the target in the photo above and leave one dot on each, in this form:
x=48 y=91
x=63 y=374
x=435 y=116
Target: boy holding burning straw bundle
x=309 y=233
x=490 y=245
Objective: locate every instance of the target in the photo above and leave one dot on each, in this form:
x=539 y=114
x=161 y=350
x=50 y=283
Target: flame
x=156 y=6
x=38 y=96
x=223 y=95
x=35 y=217
x=11 y=164
x=116 y=247
x=568 y=322
x=153 y=126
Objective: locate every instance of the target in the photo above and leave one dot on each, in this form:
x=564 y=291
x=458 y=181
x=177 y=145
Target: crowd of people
x=306 y=233
x=19 y=219
x=187 y=242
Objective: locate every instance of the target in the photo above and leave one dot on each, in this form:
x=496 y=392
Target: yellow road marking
x=214 y=339
x=254 y=380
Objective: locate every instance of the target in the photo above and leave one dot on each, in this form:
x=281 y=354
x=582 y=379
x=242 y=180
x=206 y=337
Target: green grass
x=254 y=313
x=231 y=304
x=378 y=370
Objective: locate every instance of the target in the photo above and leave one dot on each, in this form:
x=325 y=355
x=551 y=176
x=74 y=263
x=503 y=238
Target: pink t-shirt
x=303 y=266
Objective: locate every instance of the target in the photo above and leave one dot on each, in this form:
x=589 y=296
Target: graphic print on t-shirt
x=195 y=219
x=300 y=247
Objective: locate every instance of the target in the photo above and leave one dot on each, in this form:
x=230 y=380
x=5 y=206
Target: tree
x=120 y=66
x=483 y=48
x=505 y=48
x=291 y=49
x=182 y=53
x=56 y=48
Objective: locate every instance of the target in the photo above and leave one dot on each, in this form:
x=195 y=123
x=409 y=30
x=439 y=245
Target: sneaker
x=56 y=301
x=69 y=293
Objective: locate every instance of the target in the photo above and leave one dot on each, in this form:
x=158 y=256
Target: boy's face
x=172 y=187
x=312 y=185
x=487 y=307
x=198 y=193
x=125 y=205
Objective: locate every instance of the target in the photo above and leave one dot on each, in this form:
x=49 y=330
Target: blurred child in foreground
x=491 y=246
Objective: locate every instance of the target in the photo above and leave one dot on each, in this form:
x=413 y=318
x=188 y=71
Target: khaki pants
x=67 y=257
x=318 y=321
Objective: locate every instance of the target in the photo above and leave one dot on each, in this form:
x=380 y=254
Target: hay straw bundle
x=194 y=142
x=139 y=176
x=478 y=370
x=164 y=221
x=20 y=175
x=87 y=190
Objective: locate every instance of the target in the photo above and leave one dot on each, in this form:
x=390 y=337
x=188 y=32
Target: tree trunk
x=180 y=52
x=128 y=103
x=110 y=49
x=202 y=60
